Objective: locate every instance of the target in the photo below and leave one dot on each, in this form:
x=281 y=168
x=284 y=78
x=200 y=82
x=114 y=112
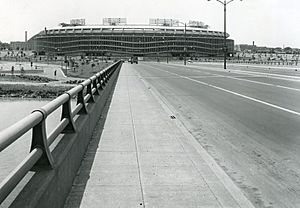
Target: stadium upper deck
x=131 y=40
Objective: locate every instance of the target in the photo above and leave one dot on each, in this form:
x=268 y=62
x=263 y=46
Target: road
x=247 y=118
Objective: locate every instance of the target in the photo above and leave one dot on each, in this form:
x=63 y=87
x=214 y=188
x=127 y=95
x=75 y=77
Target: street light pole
x=185 y=45
x=225 y=44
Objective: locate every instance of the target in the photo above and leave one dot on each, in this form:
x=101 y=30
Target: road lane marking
x=253 y=66
x=225 y=179
x=176 y=77
x=275 y=76
x=234 y=93
x=246 y=80
x=262 y=83
x=281 y=76
x=267 y=75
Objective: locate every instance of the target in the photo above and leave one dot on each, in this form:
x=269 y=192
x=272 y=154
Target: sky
x=272 y=23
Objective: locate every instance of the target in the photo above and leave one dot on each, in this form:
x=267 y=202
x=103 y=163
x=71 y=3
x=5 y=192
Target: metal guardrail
x=40 y=154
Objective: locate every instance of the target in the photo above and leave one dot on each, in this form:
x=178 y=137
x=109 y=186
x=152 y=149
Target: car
x=133 y=60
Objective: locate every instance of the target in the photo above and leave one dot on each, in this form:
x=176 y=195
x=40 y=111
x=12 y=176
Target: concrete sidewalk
x=144 y=158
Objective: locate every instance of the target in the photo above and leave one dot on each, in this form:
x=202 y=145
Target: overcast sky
x=267 y=22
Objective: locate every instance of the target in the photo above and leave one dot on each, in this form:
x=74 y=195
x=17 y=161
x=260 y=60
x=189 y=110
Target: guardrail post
x=102 y=78
x=105 y=76
x=100 y=82
x=67 y=113
x=80 y=100
x=89 y=91
x=113 y=70
x=39 y=140
x=95 y=86
x=109 y=73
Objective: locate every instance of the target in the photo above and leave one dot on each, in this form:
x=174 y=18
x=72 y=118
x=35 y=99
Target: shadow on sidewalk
x=83 y=174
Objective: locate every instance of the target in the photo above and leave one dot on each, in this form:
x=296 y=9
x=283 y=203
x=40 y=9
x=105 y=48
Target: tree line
x=4 y=46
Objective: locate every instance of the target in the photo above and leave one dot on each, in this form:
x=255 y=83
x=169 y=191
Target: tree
x=288 y=50
x=4 y=45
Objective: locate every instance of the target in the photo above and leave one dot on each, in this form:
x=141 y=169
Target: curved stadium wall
x=132 y=40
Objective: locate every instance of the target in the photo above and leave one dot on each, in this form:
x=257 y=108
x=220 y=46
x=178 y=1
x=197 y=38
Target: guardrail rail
x=40 y=156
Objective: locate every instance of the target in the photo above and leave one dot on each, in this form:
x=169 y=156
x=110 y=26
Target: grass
x=31 y=91
x=40 y=90
x=25 y=78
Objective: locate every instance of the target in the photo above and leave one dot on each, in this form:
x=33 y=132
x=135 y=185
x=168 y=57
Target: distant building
x=263 y=49
x=21 y=45
x=115 y=38
x=246 y=47
x=237 y=48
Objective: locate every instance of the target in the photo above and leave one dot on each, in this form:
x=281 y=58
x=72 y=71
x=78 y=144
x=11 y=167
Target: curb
x=228 y=183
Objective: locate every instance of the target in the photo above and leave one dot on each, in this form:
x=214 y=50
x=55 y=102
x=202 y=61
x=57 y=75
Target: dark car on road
x=134 y=60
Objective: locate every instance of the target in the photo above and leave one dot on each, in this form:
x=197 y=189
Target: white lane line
x=278 y=76
x=262 y=83
x=234 y=93
x=267 y=75
x=287 y=77
x=266 y=66
x=176 y=77
x=246 y=80
x=254 y=66
x=228 y=183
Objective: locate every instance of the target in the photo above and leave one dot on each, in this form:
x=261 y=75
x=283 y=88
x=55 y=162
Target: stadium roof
x=134 y=28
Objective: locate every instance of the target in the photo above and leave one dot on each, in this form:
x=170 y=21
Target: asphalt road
x=247 y=118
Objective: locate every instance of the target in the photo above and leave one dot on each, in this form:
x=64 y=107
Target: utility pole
x=225 y=2
x=185 y=44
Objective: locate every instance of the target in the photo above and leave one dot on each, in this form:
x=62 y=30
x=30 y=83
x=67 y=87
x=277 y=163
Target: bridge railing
x=40 y=157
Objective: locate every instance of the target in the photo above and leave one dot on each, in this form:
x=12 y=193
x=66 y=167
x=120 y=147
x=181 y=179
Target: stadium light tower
x=225 y=2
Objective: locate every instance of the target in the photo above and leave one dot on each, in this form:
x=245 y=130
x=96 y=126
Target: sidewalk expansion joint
x=136 y=147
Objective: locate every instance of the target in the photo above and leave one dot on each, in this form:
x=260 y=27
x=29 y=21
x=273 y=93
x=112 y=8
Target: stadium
x=160 y=38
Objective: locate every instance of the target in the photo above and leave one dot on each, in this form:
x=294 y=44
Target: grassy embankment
x=29 y=86
x=87 y=70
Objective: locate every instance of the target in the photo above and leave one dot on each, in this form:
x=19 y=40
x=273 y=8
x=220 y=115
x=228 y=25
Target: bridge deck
x=144 y=158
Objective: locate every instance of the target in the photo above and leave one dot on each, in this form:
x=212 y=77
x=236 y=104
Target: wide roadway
x=246 y=117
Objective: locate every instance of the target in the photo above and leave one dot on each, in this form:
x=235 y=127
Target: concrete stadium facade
x=132 y=40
